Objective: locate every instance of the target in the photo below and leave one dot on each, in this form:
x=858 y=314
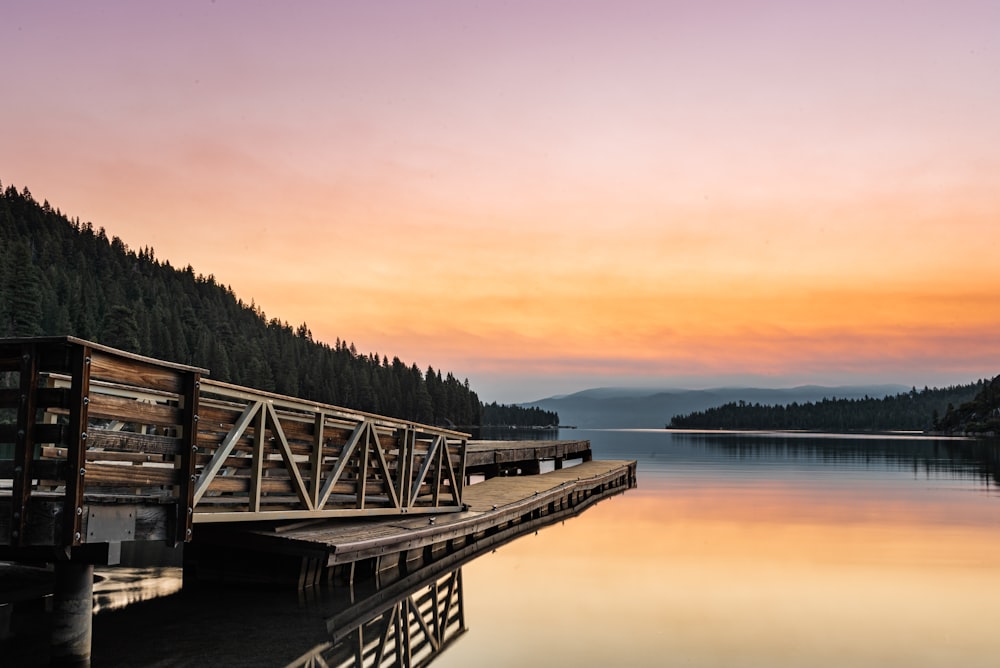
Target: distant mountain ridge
x=652 y=408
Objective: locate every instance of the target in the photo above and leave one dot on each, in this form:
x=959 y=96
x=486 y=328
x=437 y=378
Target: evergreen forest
x=980 y=415
x=908 y=411
x=498 y=415
x=59 y=276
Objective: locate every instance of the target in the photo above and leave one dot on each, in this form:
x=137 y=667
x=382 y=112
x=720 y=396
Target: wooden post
x=76 y=444
x=191 y=392
x=404 y=465
x=316 y=457
x=462 y=476
x=24 y=442
x=72 y=614
x=257 y=464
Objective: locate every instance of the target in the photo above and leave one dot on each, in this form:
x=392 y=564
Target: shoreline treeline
x=62 y=277
x=908 y=411
x=500 y=415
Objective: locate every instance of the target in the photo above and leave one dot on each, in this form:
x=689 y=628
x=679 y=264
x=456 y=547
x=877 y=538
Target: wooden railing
x=257 y=454
x=84 y=428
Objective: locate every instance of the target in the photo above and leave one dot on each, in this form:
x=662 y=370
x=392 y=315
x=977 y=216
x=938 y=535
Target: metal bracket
x=110 y=524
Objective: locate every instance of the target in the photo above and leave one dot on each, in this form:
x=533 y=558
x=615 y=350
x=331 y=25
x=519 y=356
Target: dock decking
x=389 y=544
x=100 y=447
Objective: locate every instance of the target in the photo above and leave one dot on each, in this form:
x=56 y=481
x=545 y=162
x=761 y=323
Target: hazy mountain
x=621 y=407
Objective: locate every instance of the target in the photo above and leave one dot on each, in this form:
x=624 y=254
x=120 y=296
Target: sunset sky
x=546 y=196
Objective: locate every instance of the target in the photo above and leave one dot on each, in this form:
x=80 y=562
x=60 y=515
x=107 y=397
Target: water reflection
x=116 y=588
x=398 y=619
x=662 y=452
x=958 y=458
x=740 y=550
x=411 y=631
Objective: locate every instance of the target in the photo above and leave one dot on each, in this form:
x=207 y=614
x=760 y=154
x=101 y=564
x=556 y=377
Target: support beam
x=72 y=614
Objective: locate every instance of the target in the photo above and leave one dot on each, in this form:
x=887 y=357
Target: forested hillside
x=979 y=415
x=497 y=415
x=907 y=411
x=59 y=276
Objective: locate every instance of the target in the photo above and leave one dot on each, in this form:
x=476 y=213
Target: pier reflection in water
x=409 y=631
x=404 y=624
x=398 y=619
x=758 y=550
x=735 y=550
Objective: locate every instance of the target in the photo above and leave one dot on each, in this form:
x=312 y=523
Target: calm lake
x=734 y=550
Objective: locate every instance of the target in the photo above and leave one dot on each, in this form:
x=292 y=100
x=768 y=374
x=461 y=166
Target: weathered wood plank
x=274 y=485
x=129 y=476
x=129 y=410
x=132 y=442
x=120 y=369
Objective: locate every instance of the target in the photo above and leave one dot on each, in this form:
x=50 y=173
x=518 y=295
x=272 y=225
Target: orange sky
x=546 y=196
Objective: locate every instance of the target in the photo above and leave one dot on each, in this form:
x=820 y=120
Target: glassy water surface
x=735 y=550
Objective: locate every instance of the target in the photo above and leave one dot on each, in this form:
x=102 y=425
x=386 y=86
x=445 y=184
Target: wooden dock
x=496 y=458
x=310 y=553
x=100 y=448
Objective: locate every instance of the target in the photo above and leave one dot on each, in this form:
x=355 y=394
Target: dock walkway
x=101 y=448
x=385 y=544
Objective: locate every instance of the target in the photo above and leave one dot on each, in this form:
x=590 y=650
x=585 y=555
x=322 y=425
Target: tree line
x=59 y=276
x=499 y=415
x=979 y=415
x=908 y=411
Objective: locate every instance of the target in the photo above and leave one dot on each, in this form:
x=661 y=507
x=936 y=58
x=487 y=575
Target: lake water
x=734 y=550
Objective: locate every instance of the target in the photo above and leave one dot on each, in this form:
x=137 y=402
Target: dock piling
x=72 y=614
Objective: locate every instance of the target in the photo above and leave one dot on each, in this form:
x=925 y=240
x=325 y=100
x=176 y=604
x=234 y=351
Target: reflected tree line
x=977 y=459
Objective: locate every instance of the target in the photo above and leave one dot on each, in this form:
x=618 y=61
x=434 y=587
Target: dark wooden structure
x=498 y=458
x=309 y=553
x=100 y=448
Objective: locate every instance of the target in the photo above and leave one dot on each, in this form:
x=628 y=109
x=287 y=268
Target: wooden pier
x=100 y=448
x=495 y=458
x=311 y=553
